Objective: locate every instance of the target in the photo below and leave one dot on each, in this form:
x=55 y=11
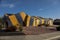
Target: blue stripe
x=19 y=18
x=31 y=21
x=9 y=21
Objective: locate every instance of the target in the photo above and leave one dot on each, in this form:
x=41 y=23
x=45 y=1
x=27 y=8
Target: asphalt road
x=46 y=36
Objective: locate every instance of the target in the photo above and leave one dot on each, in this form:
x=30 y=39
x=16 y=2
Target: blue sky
x=43 y=8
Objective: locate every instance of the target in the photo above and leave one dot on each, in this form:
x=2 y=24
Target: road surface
x=46 y=36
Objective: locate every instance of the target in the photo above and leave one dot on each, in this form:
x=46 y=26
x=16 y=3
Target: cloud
x=11 y=5
x=7 y=5
x=41 y=9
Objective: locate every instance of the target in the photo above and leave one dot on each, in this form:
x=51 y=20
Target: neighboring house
x=48 y=21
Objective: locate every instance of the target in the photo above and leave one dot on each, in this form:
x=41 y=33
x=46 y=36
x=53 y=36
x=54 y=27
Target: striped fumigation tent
x=42 y=23
x=11 y=20
x=23 y=15
x=23 y=18
x=35 y=21
x=46 y=21
x=19 y=19
x=27 y=20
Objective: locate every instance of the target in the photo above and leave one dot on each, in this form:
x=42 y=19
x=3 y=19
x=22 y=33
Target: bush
x=20 y=28
x=0 y=27
x=46 y=25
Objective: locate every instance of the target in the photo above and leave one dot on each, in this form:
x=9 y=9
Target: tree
x=1 y=25
x=0 y=19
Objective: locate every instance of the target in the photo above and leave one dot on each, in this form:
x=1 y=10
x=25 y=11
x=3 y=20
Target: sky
x=43 y=8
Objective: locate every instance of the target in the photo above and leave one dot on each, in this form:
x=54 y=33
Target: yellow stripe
x=36 y=22
x=14 y=20
x=42 y=21
x=28 y=21
x=23 y=15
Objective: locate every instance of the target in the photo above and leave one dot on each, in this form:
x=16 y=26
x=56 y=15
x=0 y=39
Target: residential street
x=46 y=36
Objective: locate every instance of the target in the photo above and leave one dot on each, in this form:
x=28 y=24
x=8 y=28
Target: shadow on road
x=11 y=33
